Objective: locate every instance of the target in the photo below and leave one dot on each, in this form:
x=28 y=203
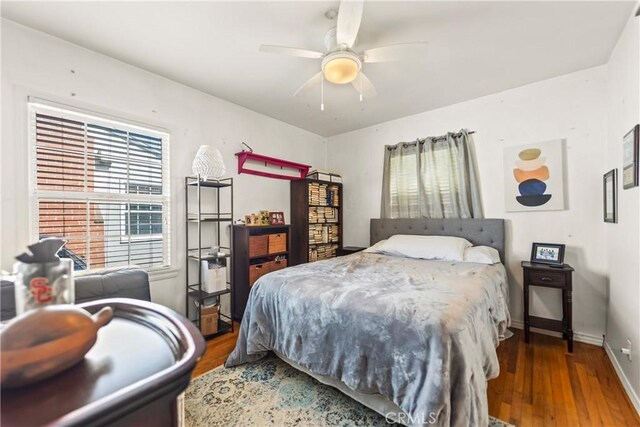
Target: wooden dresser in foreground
x=132 y=376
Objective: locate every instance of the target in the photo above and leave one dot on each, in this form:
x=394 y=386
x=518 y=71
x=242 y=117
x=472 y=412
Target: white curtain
x=433 y=177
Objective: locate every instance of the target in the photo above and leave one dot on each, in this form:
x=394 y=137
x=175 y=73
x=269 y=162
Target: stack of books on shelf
x=334 y=233
x=314 y=194
x=333 y=196
x=315 y=234
x=319 y=234
x=330 y=215
x=313 y=216
x=324 y=195
x=317 y=194
x=322 y=215
x=322 y=252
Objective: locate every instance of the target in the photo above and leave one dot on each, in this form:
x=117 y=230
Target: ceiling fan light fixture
x=341 y=68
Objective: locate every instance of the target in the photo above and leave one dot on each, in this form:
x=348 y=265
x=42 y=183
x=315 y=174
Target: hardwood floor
x=217 y=351
x=540 y=384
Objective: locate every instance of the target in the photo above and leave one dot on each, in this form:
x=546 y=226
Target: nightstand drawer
x=547 y=278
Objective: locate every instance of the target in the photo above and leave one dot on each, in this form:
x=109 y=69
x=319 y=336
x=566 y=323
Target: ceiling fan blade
x=397 y=52
x=309 y=84
x=291 y=51
x=364 y=86
x=349 y=19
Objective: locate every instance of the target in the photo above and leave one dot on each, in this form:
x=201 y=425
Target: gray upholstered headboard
x=485 y=232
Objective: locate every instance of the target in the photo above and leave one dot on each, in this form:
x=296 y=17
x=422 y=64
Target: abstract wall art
x=534 y=177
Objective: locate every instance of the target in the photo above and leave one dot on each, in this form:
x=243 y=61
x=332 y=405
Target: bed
x=412 y=339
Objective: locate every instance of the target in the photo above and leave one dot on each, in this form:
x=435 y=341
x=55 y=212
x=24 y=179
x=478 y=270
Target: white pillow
x=482 y=255
x=446 y=248
x=375 y=249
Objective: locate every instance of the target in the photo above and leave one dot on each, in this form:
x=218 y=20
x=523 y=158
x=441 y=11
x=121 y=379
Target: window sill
x=162 y=273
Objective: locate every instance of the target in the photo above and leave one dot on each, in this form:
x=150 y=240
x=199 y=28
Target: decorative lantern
x=208 y=163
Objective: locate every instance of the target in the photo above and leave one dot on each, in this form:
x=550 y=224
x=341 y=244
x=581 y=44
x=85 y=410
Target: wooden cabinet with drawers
x=256 y=251
x=549 y=277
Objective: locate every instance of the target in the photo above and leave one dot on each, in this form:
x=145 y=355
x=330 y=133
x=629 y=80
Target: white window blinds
x=102 y=185
x=404 y=200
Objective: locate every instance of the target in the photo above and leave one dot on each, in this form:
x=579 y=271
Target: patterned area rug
x=269 y=392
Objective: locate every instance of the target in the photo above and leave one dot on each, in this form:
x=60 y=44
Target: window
x=143 y=220
x=431 y=178
x=102 y=185
x=403 y=185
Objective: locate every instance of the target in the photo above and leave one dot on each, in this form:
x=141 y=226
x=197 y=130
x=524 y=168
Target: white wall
x=34 y=63
x=570 y=107
x=623 y=239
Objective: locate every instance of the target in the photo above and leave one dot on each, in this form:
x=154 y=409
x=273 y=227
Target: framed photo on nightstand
x=547 y=253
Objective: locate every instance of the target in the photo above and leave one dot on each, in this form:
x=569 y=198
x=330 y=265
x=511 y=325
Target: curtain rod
x=439 y=138
x=454 y=134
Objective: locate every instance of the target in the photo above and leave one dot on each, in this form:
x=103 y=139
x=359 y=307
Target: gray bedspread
x=421 y=333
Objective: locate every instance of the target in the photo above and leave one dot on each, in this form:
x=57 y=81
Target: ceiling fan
x=342 y=63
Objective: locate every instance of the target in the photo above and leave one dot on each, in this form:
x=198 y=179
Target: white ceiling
x=476 y=48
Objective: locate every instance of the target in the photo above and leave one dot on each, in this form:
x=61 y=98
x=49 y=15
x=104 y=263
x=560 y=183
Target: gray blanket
x=420 y=333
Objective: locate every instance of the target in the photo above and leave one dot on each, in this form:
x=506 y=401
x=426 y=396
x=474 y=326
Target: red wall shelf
x=243 y=156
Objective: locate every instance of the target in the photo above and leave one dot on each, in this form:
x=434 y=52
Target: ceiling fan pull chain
x=322 y=94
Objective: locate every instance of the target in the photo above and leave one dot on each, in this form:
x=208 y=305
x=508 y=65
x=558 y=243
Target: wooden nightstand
x=348 y=250
x=549 y=277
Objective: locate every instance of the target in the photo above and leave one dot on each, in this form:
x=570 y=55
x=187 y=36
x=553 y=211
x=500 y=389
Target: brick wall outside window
x=84 y=175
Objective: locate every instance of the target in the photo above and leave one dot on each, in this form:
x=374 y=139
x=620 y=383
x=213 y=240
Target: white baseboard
x=577 y=336
x=623 y=378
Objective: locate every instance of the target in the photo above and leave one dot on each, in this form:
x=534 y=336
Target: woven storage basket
x=277 y=243
x=278 y=265
x=258 y=246
x=256 y=271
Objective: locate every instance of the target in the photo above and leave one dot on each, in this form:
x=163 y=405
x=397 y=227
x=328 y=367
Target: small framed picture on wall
x=610 y=196
x=547 y=253
x=630 y=158
x=276 y=218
